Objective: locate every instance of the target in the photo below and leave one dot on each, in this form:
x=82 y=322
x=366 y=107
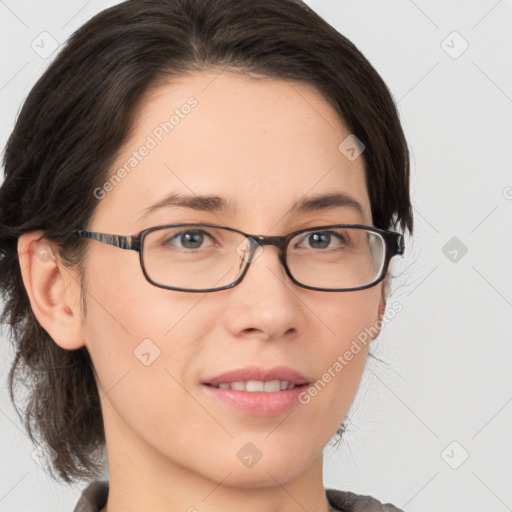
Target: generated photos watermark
x=362 y=339
x=156 y=136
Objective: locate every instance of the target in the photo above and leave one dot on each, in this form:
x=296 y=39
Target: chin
x=264 y=473
x=253 y=479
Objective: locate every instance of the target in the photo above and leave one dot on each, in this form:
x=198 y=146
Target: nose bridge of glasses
x=256 y=246
x=278 y=241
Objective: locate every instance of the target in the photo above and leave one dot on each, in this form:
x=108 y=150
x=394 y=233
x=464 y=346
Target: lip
x=258 y=373
x=258 y=403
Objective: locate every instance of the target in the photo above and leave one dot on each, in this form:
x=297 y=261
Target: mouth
x=255 y=386
x=258 y=391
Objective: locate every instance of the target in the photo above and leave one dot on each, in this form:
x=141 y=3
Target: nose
x=265 y=303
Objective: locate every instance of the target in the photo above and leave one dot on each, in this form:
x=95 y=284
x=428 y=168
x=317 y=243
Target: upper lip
x=260 y=374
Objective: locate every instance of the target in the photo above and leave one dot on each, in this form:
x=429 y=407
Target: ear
x=53 y=290
x=384 y=296
x=382 y=306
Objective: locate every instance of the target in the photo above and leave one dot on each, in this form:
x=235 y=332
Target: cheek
x=350 y=324
x=142 y=342
x=352 y=316
x=133 y=326
x=122 y=304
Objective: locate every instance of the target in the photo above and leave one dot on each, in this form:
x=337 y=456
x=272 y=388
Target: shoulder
x=93 y=497
x=346 y=501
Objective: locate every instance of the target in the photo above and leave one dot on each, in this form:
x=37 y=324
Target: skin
x=263 y=144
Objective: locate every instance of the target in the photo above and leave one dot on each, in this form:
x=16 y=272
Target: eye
x=190 y=239
x=322 y=239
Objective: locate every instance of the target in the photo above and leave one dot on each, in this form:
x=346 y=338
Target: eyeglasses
x=207 y=257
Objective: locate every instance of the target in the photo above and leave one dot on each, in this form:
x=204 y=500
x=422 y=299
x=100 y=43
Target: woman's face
x=262 y=146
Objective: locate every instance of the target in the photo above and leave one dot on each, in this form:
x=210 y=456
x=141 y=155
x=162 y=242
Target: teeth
x=271 y=386
x=239 y=386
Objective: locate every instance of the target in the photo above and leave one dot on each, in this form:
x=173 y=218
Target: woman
x=255 y=161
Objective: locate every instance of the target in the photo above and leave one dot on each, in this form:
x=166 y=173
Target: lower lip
x=259 y=403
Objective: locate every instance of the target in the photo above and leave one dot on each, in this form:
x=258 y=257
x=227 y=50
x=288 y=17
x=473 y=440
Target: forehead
x=261 y=144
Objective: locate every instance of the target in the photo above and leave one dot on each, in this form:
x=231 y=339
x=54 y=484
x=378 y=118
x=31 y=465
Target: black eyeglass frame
x=394 y=245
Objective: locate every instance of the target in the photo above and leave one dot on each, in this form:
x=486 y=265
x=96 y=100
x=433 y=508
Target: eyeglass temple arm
x=123 y=242
x=400 y=244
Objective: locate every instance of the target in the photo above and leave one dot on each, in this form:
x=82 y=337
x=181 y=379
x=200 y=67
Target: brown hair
x=75 y=120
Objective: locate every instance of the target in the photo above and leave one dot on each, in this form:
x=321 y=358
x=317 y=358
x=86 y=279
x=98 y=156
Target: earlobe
x=53 y=291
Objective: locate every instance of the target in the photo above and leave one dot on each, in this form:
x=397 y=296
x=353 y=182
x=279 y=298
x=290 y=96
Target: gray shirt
x=94 y=498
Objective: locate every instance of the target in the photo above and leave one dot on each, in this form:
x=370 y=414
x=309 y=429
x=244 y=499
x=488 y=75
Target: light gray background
x=447 y=392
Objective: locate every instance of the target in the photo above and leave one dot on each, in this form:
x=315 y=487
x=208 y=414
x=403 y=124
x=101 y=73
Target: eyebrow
x=327 y=201
x=215 y=203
